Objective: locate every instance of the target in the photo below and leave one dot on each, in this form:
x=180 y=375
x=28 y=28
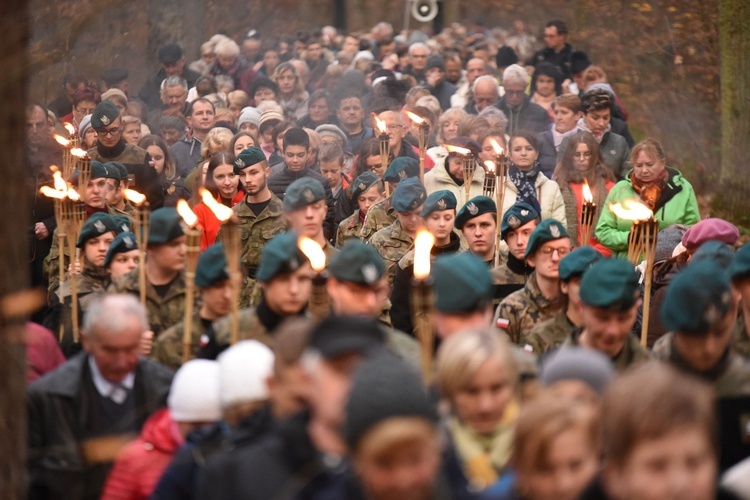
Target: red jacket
x=209 y=222
x=142 y=462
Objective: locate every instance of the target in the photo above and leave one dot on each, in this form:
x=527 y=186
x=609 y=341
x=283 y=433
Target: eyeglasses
x=514 y=92
x=85 y=111
x=394 y=128
x=582 y=156
x=550 y=250
x=108 y=131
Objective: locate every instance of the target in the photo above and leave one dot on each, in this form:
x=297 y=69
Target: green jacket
x=549 y=334
x=677 y=205
x=379 y=216
x=392 y=243
x=349 y=229
x=631 y=353
x=168 y=348
x=526 y=308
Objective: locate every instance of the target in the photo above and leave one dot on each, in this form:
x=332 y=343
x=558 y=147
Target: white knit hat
x=194 y=396
x=244 y=368
x=249 y=115
x=84 y=126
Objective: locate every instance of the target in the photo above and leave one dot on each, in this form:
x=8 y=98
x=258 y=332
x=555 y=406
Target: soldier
x=381 y=214
x=259 y=217
x=117 y=183
x=477 y=221
x=285 y=279
x=439 y=214
x=610 y=297
x=367 y=190
x=165 y=271
x=122 y=256
x=358 y=286
x=700 y=310
x=215 y=290
x=519 y=221
x=394 y=241
x=305 y=208
x=549 y=334
x=540 y=298
x=740 y=273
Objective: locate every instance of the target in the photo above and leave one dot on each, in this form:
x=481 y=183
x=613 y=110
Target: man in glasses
x=540 y=298
x=522 y=114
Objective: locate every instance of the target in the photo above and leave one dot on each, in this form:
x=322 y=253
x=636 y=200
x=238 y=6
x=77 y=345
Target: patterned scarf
x=649 y=192
x=525 y=182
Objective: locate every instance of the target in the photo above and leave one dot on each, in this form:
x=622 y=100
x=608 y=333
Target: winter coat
x=186 y=153
x=529 y=116
x=614 y=150
x=142 y=462
x=209 y=222
x=677 y=205
x=547 y=193
x=438 y=178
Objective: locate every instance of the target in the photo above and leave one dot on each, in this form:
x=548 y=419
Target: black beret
x=547 y=230
x=403 y=167
x=98 y=171
x=281 y=255
x=302 y=192
x=462 y=283
x=212 y=266
x=165 y=225
x=363 y=183
x=123 y=242
x=474 y=208
x=104 y=113
x=123 y=223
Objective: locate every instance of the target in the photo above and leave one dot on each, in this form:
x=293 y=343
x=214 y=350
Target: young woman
x=241 y=141
x=368 y=159
x=161 y=159
x=224 y=185
x=292 y=94
x=122 y=256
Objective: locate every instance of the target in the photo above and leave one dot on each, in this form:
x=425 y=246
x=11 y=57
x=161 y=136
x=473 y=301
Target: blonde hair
x=450 y=114
x=217 y=140
x=130 y=120
x=299 y=89
x=393 y=434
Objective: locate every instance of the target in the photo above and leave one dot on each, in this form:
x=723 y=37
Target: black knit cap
x=339 y=335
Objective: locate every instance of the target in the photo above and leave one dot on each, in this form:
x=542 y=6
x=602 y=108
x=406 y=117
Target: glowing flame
x=380 y=124
x=73 y=195
x=60 y=184
x=458 y=150
x=187 y=215
x=587 y=192
x=80 y=153
x=313 y=252
x=496 y=146
x=134 y=196
x=62 y=141
x=422 y=246
x=631 y=210
x=69 y=127
x=53 y=193
x=415 y=118
x=222 y=212
x=490 y=166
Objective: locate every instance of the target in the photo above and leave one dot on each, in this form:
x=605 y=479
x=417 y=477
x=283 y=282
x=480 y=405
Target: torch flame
x=587 y=192
x=134 y=196
x=59 y=182
x=69 y=127
x=422 y=245
x=222 y=212
x=415 y=118
x=490 y=166
x=62 y=141
x=380 y=124
x=73 y=195
x=631 y=210
x=496 y=146
x=456 y=149
x=313 y=252
x=80 y=153
x=53 y=193
x=187 y=215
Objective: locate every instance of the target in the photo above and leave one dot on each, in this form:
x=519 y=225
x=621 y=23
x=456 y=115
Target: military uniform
x=392 y=243
x=379 y=216
x=349 y=229
x=525 y=309
x=631 y=353
x=740 y=339
x=549 y=334
x=509 y=277
x=168 y=348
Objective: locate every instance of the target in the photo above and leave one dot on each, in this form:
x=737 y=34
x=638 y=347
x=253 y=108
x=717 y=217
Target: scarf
x=558 y=137
x=582 y=125
x=484 y=456
x=525 y=184
x=649 y=192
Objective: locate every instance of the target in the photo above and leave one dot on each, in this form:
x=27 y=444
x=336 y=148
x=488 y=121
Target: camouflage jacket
x=730 y=377
x=630 y=354
x=549 y=334
x=128 y=211
x=349 y=229
x=526 y=308
x=392 y=243
x=250 y=327
x=379 y=216
x=740 y=338
x=92 y=281
x=509 y=277
x=162 y=312
x=168 y=348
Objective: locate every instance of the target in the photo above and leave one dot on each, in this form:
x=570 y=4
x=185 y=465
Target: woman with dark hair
x=581 y=163
x=368 y=159
x=546 y=84
x=241 y=141
x=224 y=186
x=161 y=159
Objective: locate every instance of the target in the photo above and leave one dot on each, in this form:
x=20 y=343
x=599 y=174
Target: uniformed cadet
x=550 y=334
x=305 y=209
x=477 y=221
x=259 y=217
x=740 y=274
x=165 y=271
x=519 y=221
x=215 y=289
x=394 y=241
x=96 y=236
x=117 y=183
x=540 y=297
x=700 y=310
x=367 y=190
x=122 y=256
x=358 y=286
x=610 y=296
x=439 y=214
x=382 y=214
x=285 y=279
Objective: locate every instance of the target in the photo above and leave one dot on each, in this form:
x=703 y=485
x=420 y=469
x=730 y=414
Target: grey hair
x=174 y=81
x=495 y=116
x=113 y=313
x=485 y=78
x=227 y=48
x=418 y=45
x=515 y=73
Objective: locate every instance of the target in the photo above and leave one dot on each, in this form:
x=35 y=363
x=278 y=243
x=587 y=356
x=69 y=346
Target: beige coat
x=438 y=178
x=549 y=196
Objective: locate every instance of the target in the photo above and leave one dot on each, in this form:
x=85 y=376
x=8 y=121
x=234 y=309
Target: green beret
x=516 y=216
x=715 y=251
x=409 y=195
x=357 y=262
x=475 y=207
x=112 y=172
x=578 y=262
x=363 y=183
x=122 y=169
x=438 y=201
x=462 y=283
x=96 y=225
x=302 y=192
x=697 y=298
x=402 y=167
x=123 y=242
x=610 y=284
x=281 y=255
x=547 y=230
x=740 y=267
x=212 y=266
x=248 y=157
x=123 y=223
x=105 y=113
x=98 y=170
x=165 y=225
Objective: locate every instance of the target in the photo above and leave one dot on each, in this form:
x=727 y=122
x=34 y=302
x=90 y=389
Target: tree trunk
x=14 y=33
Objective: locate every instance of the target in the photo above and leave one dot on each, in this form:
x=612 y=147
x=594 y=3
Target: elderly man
x=475 y=67
x=172 y=64
x=522 y=114
x=418 y=54
x=82 y=414
x=485 y=92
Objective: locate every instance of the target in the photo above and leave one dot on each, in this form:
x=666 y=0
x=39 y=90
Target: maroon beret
x=711 y=229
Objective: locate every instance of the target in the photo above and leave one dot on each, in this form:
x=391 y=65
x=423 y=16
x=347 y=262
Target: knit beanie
x=586 y=365
x=243 y=370
x=194 y=395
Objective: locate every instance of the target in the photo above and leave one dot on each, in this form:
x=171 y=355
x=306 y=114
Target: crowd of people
x=552 y=370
